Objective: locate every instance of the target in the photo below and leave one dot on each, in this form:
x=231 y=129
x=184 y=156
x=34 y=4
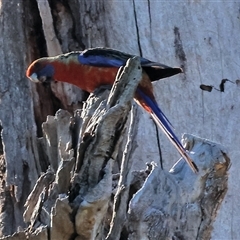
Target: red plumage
x=88 y=78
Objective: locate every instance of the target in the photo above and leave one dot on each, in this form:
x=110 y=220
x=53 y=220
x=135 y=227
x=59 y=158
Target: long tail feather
x=162 y=121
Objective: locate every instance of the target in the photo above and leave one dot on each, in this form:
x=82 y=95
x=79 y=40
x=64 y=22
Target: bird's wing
x=103 y=57
x=107 y=57
x=162 y=121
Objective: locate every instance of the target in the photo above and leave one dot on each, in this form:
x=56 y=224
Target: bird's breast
x=86 y=77
x=89 y=78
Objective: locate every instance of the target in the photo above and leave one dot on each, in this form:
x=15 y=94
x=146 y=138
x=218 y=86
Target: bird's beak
x=34 y=78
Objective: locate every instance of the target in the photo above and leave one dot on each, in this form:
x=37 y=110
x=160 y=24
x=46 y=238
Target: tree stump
x=89 y=192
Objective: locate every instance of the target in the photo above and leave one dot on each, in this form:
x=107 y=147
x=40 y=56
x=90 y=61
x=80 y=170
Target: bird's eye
x=42 y=78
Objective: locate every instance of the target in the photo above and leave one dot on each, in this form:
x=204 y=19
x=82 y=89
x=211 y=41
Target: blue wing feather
x=106 y=57
x=100 y=61
x=105 y=61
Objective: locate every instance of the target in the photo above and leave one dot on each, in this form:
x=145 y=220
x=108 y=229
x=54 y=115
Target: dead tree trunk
x=79 y=197
x=73 y=173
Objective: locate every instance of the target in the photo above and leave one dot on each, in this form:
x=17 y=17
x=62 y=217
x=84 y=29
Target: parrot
x=96 y=67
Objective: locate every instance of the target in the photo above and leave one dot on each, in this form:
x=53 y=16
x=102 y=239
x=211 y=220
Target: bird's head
x=40 y=70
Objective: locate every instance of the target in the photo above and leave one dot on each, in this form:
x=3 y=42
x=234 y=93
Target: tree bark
x=36 y=160
x=73 y=200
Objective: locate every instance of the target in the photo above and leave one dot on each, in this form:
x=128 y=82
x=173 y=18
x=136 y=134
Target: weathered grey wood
x=196 y=38
x=58 y=149
x=92 y=23
x=41 y=234
x=90 y=217
x=113 y=118
x=176 y=204
x=61 y=225
x=18 y=129
x=180 y=204
x=49 y=202
x=41 y=185
x=121 y=198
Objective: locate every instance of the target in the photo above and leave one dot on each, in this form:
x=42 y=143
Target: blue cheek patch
x=47 y=71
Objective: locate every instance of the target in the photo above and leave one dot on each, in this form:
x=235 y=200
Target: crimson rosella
x=92 y=68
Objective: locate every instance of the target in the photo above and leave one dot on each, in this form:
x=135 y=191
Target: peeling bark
x=179 y=204
x=75 y=178
x=73 y=199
